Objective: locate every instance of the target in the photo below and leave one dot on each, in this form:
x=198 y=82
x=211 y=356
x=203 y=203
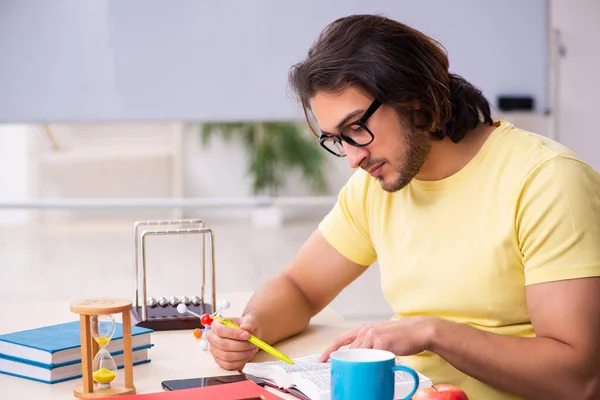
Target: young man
x=487 y=236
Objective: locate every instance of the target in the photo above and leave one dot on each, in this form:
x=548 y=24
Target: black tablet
x=178 y=384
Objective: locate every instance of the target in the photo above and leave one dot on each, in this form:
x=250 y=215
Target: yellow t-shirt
x=524 y=210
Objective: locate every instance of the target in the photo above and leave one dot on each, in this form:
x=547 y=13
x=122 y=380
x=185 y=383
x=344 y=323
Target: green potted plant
x=273 y=150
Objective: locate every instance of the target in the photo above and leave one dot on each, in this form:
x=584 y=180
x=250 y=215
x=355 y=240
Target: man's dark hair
x=397 y=65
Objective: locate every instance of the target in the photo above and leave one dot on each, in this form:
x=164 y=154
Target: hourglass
x=97 y=327
x=104 y=367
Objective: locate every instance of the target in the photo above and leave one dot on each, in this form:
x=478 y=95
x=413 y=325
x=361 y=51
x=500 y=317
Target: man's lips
x=374 y=171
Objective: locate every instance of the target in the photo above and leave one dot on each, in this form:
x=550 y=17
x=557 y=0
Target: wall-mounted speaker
x=516 y=103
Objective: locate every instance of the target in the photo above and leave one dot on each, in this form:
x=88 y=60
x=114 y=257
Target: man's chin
x=392 y=185
x=388 y=186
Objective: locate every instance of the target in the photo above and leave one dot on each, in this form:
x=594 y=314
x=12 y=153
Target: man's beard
x=417 y=148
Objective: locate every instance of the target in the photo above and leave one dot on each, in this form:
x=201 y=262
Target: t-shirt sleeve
x=558 y=222
x=346 y=226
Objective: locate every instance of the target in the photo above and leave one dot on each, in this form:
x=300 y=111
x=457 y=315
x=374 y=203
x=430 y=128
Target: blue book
x=60 y=372
x=59 y=346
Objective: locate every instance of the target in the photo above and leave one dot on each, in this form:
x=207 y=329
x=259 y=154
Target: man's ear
x=421 y=119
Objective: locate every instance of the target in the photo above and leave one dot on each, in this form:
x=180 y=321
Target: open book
x=310 y=379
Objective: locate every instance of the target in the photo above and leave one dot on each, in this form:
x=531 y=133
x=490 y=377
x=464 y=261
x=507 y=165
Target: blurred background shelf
x=105 y=161
x=107 y=153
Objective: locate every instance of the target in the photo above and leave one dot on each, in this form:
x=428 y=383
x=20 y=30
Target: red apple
x=442 y=391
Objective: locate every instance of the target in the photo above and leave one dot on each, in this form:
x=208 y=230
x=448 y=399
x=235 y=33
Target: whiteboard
x=196 y=60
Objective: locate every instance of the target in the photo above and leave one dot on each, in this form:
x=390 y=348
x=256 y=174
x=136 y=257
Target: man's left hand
x=404 y=336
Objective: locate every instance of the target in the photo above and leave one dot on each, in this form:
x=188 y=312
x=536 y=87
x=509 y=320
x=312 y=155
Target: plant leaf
x=274 y=149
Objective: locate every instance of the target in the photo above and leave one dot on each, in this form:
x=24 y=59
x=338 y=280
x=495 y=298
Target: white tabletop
x=175 y=355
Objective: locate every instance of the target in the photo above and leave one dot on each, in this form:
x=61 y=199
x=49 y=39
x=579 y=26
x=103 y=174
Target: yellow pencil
x=260 y=344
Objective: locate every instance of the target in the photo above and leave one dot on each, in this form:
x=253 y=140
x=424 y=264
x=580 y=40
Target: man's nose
x=355 y=155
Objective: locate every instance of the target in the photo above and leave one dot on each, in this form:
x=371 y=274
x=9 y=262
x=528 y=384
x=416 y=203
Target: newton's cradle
x=160 y=313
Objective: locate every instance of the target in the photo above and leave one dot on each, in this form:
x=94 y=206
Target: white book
x=309 y=379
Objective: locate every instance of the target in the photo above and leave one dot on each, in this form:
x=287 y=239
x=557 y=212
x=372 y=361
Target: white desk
x=175 y=355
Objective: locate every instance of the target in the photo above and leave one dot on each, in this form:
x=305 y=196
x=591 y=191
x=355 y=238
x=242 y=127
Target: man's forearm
x=535 y=368
x=281 y=309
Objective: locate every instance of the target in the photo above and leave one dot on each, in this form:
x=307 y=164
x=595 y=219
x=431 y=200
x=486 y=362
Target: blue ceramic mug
x=366 y=374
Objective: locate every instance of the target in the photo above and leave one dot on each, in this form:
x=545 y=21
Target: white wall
x=13 y=170
x=149 y=60
x=103 y=161
x=579 y=87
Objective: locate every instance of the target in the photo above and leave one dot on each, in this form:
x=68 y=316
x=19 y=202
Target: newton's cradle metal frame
x=161 y=313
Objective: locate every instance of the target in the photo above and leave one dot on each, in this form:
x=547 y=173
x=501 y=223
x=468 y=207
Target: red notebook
x=226 y=391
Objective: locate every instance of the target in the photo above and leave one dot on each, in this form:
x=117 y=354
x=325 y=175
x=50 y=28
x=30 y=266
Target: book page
x=311 y=377
x=402 y=377
x=321 y=380
x=306 y=365
x=306 y=374
x=301 y=365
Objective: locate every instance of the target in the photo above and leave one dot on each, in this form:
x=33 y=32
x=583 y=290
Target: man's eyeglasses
x=355 y=134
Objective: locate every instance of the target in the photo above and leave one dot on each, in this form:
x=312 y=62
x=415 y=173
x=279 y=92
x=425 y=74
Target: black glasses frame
x=362 y=122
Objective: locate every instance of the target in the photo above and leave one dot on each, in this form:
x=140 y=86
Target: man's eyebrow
x=344 y=121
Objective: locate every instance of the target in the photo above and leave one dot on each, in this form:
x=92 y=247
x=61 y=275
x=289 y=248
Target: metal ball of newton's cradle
x=151 y=302
x=174 y=301
x=163 y=302
x=195 y=301
x=184 y=300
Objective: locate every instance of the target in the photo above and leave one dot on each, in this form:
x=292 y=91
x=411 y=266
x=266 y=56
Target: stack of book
x=52 y=354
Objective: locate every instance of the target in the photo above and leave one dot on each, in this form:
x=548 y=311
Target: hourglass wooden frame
x=89 y=347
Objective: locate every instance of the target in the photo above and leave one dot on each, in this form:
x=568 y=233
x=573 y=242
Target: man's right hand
x=229 y=346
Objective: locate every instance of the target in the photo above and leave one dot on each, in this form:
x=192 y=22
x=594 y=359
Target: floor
x=68 y=261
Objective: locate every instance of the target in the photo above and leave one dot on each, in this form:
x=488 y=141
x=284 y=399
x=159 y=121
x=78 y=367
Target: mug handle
x=412 y=373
